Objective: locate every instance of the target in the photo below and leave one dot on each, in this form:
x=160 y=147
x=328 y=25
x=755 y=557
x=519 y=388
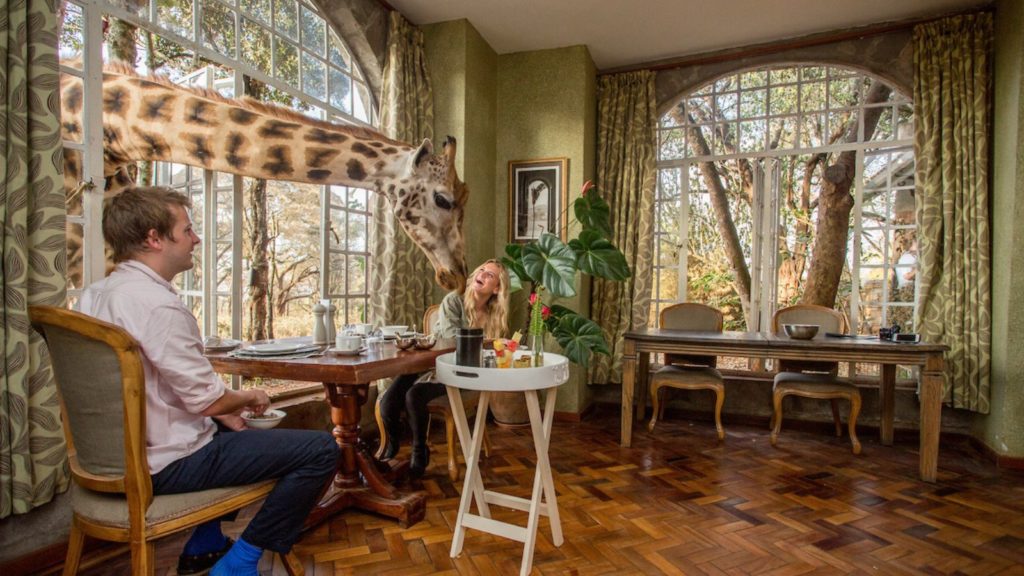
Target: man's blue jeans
x=303 y=461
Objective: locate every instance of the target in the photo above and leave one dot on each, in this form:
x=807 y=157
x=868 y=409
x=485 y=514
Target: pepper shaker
x=329 y=331
x=319 y=330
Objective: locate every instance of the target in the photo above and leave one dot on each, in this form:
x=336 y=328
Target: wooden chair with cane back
x=817 y=380
x=688 y=372
x=99 y=373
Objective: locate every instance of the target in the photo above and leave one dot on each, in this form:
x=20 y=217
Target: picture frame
x=537 y=198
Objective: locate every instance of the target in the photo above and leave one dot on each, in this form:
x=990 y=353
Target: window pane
x=337 y=53
x=286 y=19
x=357 y=274
x=258 y=9
x=357 y=199
x=219 y=28
x=71 y=35
x=256 y=46
x=340 y=92
x=672 y=144
x=175 y=15
x=313 y=82
x=286 y=62
x=363 y=104
x=313 y=32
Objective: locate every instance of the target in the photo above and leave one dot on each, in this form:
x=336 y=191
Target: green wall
x=1003 y=429
x=547 y=109
x=462 y=73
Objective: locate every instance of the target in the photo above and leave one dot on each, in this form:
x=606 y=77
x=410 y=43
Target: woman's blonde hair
x=495 y=322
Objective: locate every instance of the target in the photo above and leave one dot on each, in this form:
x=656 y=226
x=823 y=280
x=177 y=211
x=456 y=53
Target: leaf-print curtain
x=626 y=121
x=401 y=277
x=952 y=118
x=33 y=458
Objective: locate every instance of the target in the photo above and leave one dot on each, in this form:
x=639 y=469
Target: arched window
x=281 y=51
x=756 y=167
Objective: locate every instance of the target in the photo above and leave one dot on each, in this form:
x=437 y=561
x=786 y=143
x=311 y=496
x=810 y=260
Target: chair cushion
x=687 y=377
x=803 y=382
x=112 y=509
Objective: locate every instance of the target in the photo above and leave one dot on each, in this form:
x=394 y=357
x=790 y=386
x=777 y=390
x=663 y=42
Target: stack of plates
x=277 y=349
x=220 y=344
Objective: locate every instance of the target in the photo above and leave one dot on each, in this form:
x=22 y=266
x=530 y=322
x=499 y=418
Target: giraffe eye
x=442 y=202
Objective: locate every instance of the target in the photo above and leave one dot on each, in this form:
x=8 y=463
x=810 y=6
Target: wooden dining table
x=362 y=481
x=640 y=344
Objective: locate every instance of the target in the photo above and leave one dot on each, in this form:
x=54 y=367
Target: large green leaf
x=553 y=263
x=599 y=257
x=579 y=337
x=557 y=311
x=593 y=213
x=514 y=264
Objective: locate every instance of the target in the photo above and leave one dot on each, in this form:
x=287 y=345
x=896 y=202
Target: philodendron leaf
x=552 y=263
x=593 y=213
x=557 y=311
x=514 y=264
x=599 y=257
x=579 y=337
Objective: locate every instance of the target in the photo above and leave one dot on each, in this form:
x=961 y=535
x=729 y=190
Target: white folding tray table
x=552 y=374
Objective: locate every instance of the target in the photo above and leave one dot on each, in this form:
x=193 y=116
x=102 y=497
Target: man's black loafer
x=197 y=564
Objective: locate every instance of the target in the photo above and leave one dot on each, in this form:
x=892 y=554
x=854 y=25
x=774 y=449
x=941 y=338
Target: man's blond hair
x=129 y=216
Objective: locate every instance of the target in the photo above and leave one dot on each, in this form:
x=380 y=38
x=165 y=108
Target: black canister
x=468 y=344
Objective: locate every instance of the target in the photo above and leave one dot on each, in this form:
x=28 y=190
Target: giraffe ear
x=423 y=153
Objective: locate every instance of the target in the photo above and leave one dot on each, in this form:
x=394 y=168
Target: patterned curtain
x=401 y=277
x=952 y=118
x=626 y=121
x=33 y=458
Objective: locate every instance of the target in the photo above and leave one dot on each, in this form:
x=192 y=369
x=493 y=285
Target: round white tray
x=554 y=372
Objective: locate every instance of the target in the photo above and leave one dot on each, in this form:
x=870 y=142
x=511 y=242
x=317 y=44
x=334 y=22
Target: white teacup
x=361 y=329
x=348 y=342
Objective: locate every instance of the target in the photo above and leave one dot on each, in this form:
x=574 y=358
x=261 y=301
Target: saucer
x=339 y=352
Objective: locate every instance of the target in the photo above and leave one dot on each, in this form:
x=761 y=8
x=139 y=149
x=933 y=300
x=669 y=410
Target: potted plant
x=550 y=268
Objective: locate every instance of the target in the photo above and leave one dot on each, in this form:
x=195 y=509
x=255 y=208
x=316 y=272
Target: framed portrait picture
x=537 y=198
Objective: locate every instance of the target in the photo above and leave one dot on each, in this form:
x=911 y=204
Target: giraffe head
x=429 y=201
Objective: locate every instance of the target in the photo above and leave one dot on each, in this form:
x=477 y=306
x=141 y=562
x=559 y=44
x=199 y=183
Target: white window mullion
x=683 y=185
x=93 y=257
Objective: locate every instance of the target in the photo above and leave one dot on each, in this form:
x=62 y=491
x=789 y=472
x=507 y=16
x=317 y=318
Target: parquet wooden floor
x=679 y=502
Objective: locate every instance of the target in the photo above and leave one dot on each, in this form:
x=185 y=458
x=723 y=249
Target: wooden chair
x=99 y=374
x=439 y=408
x=816 y=380
x=687 y=372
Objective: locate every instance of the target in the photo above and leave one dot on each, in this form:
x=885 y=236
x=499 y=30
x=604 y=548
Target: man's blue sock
x=241 y=560
x=206 y=538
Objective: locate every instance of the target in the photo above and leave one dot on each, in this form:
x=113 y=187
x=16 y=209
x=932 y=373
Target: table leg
x=643 y=362
x=362 y=481
x=932 y=384
x=887 y=401
x=472 y=486
x=629 y=368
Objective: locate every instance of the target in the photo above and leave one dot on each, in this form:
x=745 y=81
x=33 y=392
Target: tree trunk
x=834 y=205
x=726 y=226
x=259 y=279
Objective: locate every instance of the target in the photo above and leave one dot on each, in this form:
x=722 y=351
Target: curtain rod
x=782 y=46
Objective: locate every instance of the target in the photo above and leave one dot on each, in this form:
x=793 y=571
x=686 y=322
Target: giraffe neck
x=147 y=119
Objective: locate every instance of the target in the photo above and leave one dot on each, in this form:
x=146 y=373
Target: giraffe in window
x=150 y=118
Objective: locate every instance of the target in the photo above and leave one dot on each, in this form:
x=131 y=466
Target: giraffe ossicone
x=150 y=118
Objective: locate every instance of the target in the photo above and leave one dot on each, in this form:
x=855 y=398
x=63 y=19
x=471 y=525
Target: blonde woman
x=484 y=304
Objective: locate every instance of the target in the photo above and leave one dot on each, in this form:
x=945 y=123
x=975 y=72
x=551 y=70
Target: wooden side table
x=543 y=501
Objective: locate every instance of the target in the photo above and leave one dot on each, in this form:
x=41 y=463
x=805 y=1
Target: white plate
x=225 y=345
x=275 y=348
x=340 y=352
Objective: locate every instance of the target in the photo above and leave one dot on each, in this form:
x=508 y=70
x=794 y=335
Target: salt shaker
x=329 y=331
x=319 y=329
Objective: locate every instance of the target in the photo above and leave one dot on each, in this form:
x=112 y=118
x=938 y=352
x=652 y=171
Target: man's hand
x=234 y=401
x=259 y=403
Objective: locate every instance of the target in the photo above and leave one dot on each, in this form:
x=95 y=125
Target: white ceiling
x=624 y=32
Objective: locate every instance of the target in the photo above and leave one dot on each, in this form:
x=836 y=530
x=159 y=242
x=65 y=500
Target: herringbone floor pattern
x=679 y=502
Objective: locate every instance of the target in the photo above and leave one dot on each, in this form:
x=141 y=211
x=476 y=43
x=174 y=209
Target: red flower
x=533 y=298
x=545 y=312
x=586 y=187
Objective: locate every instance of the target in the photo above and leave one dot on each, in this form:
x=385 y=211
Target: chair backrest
x=827 y=319
x=101 y=382
x=692 y=317
x=429 y=317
